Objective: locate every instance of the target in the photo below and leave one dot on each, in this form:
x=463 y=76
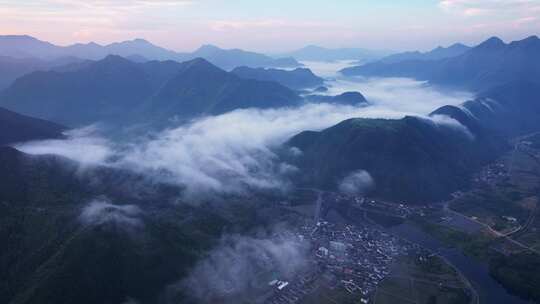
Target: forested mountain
x=230 y=59
x=416 y=159
x=202 y=88
x=116 y=90
x=435 y=54
x=93 y=236
x=491 y=63
x=411 y=159
x=18 y=128
x=12 y=68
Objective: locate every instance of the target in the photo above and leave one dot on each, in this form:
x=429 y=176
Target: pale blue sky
x=273 y=26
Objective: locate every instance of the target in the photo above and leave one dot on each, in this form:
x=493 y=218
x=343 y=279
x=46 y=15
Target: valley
x=489 y=224
x=137 y=174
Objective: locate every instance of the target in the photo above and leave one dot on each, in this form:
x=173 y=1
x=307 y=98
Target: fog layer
x=233 y=153
x=240 y=265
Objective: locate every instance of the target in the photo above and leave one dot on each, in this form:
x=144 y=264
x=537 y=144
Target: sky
x=275 y=25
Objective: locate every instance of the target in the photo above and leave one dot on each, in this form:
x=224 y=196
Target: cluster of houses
x=344 y=258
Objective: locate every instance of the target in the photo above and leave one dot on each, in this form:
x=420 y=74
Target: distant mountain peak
x=491 y=63
x=16 y=46
x=492 y=43
x=198 y=60
x=454 y=47
x=208 y=47
x=531 y=39
x=139 y=41
x=111 y=60
x=313 y=47
x=200 y=64
x=137 y=58
x=89 y=44
x=23 y=39
x=113 y=57
x=18 y=37
x=458 y=46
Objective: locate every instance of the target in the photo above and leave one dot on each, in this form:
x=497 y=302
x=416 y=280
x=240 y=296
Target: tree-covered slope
x=416 y=159
x=97 y=235
x=18 y=128
x=411 y=159
x=491 y=63
x=118 y=91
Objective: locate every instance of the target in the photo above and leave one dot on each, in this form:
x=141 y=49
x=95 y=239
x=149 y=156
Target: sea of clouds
x=233 y=153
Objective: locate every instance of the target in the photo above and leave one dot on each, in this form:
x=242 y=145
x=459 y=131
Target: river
x=488 y=289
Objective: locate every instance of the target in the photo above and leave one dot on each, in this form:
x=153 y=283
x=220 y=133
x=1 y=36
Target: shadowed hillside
x=118 y=91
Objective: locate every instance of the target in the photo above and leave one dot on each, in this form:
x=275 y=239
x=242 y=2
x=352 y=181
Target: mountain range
x=30 y=47
x=108 y=235
x=13 y=68
x=202 y=88
x=435 y=54
x=419 y=160
x=98 y=234
x=229 y=59
x=486 y=65
x=131 y=242
x=118 y=91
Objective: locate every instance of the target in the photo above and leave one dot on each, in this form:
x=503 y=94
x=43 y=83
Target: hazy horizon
x=381 y=169
x=184 y=25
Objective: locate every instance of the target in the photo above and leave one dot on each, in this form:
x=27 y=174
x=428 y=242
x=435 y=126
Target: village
x=353 y=260
x=344 y=259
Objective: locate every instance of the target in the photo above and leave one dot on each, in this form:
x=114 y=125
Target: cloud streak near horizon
x=523 y=12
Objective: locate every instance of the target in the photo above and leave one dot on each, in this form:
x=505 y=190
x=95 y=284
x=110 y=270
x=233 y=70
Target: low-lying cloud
x=403 y=95
x=84 y=145
x=356 y=183
x=233 y=153
x=449 y=122
x=242 y=264
x=99 y=212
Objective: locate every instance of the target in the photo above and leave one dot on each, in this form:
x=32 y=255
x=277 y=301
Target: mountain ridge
x=118 y=91
x=28 y=47
x=414 y=159
x=487 y=65
x=16 y=128
x=435 y=54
